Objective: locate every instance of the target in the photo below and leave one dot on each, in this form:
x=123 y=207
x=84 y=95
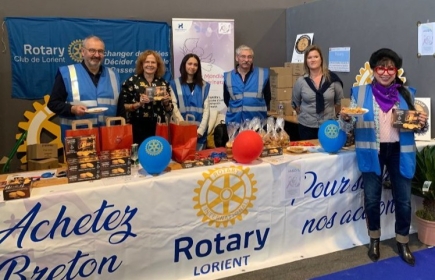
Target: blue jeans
x=389 y=156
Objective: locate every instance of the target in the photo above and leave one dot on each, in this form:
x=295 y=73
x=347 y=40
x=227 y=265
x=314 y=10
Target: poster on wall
x=425 y=38
x=39 y=46
x=423 y=104
x=213 y=41
x=303 y=41
x=339 y=59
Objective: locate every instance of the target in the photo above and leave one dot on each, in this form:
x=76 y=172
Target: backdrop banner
x=213 y=41
x=38 y=46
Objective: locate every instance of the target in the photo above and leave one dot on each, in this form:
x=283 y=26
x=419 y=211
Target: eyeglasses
x=380 y=70
x=246 y=56
x=94 y=51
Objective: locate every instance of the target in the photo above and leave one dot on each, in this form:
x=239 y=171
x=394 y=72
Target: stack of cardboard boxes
x=42 y=156
x=282 y=80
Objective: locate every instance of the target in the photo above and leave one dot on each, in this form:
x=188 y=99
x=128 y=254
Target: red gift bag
x=162 y=129
x=183 y=137
x=74 y=132
x=115 y=137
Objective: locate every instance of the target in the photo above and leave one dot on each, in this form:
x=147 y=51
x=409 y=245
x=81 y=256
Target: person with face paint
x=378 y=144
x=136 y=104
x=246 y=88
x=190 y=93
x=85 y=85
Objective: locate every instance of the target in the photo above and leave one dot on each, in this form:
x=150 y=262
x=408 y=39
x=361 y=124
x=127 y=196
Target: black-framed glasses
x=94 y=51
x=380 y=70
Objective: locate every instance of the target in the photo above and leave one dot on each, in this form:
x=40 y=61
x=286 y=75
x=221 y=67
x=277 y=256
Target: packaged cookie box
x=19 y=187
x=197 y=163
x=80 y=146
x=83 y=169
x=271 y=151
x=115 y=163
x=405 y=119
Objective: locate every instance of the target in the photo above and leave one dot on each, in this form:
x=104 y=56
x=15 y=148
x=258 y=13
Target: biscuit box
x=115 y=163
x=405 y=119
x=83 y=169
x=197 y=163
x=19 y=187
x=80 y=146
x=274 y=151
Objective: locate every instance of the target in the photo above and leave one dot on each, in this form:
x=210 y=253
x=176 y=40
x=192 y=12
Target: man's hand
x=78 y=110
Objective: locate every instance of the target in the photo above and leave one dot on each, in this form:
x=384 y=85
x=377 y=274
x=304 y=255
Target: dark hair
x=197 y=77
x=384 y=55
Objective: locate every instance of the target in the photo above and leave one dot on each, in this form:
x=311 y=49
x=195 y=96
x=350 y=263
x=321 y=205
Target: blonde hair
x=325 y=70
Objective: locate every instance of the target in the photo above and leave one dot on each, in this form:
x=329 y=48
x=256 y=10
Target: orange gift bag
x=115 y=137
x=162 y=129
x=183 y=137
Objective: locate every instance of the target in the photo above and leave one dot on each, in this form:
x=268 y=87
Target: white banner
x=213 y=41
x=202 y=223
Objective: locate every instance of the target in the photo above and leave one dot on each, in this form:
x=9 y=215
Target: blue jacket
x=365 y=136
x=246 y=99
x=82 y=91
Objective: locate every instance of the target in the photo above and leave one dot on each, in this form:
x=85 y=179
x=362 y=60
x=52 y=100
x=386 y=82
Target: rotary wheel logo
x=331 y=131
x=74 y=50
x=225 y=195
x=154 y=147
x=38 y=122
x=365 y=76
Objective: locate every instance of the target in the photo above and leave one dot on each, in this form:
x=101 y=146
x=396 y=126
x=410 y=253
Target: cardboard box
x=19 y=187
x=80 y=146
x=268 y=152
x=280 y=77
x=281 y=93
x=41 y=164
x=41 y=151
x=297 y=69
x=274 y=105
x=406 y=119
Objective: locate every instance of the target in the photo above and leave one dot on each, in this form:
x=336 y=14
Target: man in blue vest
x=80 y=87
x=246 y=88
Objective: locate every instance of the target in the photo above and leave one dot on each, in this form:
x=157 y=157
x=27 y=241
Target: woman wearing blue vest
x=191 y=94
x=378 y=144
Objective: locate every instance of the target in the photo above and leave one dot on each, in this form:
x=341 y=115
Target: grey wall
x=258 y=23
x=366 y=26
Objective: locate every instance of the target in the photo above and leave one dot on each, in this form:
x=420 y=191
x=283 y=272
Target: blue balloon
x=331 y=137
x=154 y=154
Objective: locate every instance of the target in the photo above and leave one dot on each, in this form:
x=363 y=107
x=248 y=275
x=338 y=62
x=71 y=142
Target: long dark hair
x=197 y=77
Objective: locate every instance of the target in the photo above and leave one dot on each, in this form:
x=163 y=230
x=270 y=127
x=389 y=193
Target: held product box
x=80 y=146
x=18 y=187
x=41 y=151
x=83 y=169
x=115 y=163
x=405 y=119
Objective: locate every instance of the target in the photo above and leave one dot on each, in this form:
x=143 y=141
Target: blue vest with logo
x=365 y=136
x=246 y=99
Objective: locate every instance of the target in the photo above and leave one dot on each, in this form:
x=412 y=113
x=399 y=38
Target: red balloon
x=247 y=146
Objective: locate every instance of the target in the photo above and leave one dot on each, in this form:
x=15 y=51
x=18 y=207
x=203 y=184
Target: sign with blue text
x=39 y=46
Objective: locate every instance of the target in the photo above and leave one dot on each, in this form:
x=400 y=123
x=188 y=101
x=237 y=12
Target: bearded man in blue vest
x=246 y=88
x=80 y=87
